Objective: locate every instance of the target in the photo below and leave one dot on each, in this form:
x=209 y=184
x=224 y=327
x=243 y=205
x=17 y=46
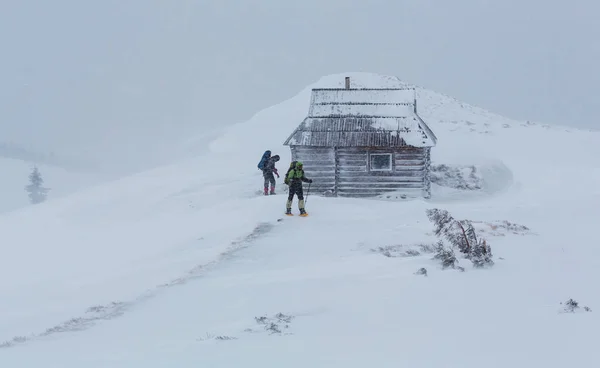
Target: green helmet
x=299 y=164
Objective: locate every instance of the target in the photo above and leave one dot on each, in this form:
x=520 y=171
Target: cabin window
x=380 y=161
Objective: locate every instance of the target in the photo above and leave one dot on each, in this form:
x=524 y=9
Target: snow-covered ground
x=15 y=176
x=186 y=266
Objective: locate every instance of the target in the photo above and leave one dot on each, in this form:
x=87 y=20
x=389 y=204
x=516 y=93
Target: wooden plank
x=346 y=162
x=377 y=191
x=401 y=157
x=312 y=149
x=319 y=189
x=320 y=176
x=419 y=173
x=382 y=189
x=351 y=150
x=408 y=149
x=319 y=184
x=352 y=161
x=314 y=157
x=366 y=176
x=381 y=182
x=377 y=186
x=336 y=156
x=353 y=154
x=402 y=168
x=322 y=167
x=321 y=170
x=358 y=193
x=360 y=176
x=356 y=156
x=371 y=186
x=410 y=162
x=315 y=161
x=343 y=164
x=362 y=168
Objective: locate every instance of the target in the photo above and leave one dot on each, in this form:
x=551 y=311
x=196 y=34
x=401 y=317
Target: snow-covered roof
x=362 y=117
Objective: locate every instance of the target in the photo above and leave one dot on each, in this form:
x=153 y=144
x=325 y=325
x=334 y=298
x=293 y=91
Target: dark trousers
x=269 y=178
x=296 y=188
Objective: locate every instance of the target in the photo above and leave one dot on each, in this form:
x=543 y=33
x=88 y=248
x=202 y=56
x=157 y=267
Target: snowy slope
x=15 y=175
x=171 y=267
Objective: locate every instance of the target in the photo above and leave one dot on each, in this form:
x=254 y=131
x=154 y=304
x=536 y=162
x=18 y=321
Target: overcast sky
x=80 y=74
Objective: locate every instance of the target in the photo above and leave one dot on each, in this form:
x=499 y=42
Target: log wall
x=346 y=172
x=319 y=165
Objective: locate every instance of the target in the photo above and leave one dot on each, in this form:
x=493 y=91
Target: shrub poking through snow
x=421 y=271
x=571 y=306
x=461 y=235
x=481 y=254
x=405 y=250
x=276 y=324
x=216 y=337
x=445 y=255
x=457 y=177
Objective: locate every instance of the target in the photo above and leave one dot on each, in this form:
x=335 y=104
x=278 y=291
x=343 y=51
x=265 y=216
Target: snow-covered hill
x=186 y=266
x=15 y=175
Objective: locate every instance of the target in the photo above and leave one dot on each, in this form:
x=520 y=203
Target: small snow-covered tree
x=37 y=192
x=453 y=230
x=445 y=255
x=462 y=235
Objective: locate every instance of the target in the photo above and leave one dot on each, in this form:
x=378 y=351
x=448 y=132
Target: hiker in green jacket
x=294 y=179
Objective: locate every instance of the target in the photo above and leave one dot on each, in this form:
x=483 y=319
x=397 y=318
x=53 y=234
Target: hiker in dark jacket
x=268 y=171
x=294 y=179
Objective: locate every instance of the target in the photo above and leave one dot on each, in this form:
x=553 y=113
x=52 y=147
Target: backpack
x=263 y=160
x=292 y=166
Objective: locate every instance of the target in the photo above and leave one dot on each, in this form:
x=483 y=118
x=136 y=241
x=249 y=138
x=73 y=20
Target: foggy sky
x=80 y=76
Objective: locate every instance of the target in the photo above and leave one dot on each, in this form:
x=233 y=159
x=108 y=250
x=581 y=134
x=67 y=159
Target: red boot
x=272 y=190
x=266 y=191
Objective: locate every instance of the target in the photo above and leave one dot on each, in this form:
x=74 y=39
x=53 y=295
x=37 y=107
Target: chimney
x=415 y=99
x=347 y=82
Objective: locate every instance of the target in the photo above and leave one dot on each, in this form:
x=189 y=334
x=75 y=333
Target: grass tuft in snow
x=402 y=250
x=501 y=228
x=216 y=337
x=274 y=325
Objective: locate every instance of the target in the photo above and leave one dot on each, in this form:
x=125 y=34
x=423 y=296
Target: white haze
x=118 y=84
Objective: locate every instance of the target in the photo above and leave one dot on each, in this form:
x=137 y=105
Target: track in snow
x=114 y=310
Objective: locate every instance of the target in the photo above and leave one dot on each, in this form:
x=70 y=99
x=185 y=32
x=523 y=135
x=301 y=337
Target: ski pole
x=307 y=191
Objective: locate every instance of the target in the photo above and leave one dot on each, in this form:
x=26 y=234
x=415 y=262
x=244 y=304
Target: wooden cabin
x=364 y=142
